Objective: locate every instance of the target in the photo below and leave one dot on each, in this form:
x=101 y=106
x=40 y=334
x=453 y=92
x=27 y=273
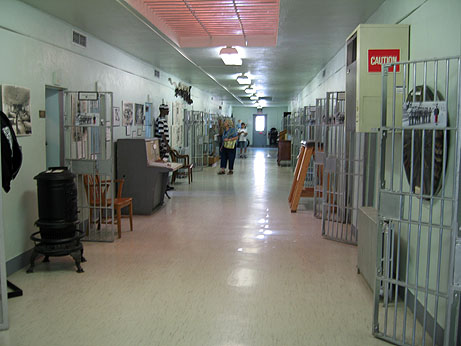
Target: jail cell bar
x=342 y=173
x=319 y=132
x=418 y=282
x=302 y=130
x=88 y=154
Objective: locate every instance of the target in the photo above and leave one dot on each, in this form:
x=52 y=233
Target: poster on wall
x=116 y=116
x=139 y=114
x=16 y=106
x=128 y=110
x=425 y=115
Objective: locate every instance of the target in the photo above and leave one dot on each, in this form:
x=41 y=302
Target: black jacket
x=11 y=153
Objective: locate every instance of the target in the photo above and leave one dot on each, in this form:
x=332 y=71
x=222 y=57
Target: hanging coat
x=11 y=152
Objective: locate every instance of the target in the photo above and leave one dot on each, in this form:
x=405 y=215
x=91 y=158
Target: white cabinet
x=368 y=47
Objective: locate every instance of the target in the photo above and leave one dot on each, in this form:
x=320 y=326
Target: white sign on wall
x=425 y=115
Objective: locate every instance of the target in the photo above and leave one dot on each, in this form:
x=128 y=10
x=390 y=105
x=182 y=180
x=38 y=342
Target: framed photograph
x=128 y=111
x=116 y=116
x=139 y=114
x=133 y=134
x=139 y=131
x=128 y=130
x=16 y=106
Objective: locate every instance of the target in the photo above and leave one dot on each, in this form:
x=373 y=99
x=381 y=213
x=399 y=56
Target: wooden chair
x=96 y=191
x=187 y=166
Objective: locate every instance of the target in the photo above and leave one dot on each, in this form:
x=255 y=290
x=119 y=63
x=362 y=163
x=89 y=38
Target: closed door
x=54 y=125
x=259 y=130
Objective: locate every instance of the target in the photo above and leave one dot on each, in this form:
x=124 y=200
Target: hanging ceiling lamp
x=243 y=80
x=230 y=56
x=250 y=90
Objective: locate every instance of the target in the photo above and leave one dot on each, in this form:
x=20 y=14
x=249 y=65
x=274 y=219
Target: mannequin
x=162 y=130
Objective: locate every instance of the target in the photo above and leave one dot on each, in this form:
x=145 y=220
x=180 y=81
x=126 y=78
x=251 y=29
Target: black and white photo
x=116 y=116
x=128 y=110
x=16 y=105
x=139 y=114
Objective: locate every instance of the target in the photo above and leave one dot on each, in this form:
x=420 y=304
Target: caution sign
x=378 y=57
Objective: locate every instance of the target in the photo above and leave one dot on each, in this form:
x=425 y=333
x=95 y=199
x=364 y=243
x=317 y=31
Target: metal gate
x=297 y=135
x=418 y=281
x=88 y=144
x=319 y=132
x=194 y=124
x=342 y=173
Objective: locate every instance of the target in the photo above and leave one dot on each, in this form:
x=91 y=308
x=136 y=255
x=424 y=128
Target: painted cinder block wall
x=34 y=46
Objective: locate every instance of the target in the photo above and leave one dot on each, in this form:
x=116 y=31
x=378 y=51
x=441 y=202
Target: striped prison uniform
x=161 y=128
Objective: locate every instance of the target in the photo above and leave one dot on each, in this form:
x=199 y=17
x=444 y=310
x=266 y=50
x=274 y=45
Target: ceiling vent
x=79 y=39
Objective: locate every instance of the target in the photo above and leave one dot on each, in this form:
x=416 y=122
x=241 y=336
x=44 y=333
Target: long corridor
x=223 y=263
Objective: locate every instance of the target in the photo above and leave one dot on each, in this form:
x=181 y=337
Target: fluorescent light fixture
x=230 y=56
x=243 y=80
x=254 y=98
x=250 y=90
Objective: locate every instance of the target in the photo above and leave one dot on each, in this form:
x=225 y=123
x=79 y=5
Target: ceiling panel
x=202 y=23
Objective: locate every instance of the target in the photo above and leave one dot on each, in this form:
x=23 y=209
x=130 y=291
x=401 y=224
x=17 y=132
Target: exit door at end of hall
x=259 y=130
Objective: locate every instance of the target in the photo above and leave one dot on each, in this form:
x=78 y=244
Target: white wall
x=35 y=45
x=274 y=117
x=435 y=32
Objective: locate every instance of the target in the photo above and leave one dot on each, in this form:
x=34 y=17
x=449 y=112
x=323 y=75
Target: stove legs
x=77 y=256
x=32 y=261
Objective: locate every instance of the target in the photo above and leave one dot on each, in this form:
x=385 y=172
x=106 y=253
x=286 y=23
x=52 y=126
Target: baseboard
x=19 y=262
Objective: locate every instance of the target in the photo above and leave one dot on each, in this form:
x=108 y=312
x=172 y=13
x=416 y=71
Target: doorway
x=54 y=127
x=259 y=130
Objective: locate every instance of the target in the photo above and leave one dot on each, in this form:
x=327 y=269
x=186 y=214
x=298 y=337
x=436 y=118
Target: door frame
x=254 y=129
x=61 y=121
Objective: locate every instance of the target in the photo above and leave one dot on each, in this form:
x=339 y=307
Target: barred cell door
x=342 y=174
x=418 y=268
x=88 y=144
x=196 y=139
x=319 y=131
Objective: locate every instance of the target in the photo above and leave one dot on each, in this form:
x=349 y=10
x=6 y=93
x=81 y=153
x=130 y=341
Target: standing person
x=228 y=148
x=242 y=142
x=239 y=124
x=162 y=131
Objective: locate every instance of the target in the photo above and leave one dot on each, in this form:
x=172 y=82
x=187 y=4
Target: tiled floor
x=223 y=263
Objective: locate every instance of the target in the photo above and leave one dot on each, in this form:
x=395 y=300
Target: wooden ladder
x=306 y=152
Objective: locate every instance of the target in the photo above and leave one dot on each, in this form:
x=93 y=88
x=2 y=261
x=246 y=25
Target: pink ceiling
x=209 y=23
